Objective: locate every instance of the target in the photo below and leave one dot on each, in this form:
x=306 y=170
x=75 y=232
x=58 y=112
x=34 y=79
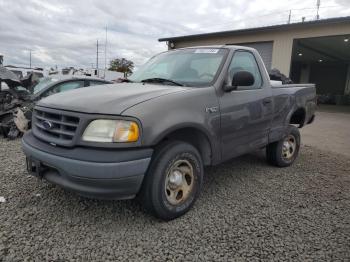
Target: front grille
x=55 y=126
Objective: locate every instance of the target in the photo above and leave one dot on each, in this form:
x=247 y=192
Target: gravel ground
x=247 y=211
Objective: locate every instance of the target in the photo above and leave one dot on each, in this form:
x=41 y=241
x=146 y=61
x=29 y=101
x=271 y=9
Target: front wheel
x=283 y=153
x=173 y=181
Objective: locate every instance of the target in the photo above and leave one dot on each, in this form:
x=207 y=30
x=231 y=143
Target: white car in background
x=24 y=71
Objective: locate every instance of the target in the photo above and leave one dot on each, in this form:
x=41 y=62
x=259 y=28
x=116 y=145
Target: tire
x=282 y=153
x=173 y=181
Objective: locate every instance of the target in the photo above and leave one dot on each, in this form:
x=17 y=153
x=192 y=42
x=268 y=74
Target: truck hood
x=107 y=99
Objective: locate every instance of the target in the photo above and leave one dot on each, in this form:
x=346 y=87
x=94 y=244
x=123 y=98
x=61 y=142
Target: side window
x=37 y=74
x=66 y=86
x=96 y=83
x=17 y=73
x=245 y=61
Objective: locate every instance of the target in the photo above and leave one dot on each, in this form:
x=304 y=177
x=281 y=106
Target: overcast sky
x=64 y=32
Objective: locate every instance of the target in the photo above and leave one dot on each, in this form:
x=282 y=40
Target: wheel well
x=298 y=117
x=194 y=137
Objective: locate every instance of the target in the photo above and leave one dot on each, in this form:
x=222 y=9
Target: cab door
x=246 y=113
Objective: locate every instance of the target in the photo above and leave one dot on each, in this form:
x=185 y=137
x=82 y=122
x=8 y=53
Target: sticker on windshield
x=206 y=51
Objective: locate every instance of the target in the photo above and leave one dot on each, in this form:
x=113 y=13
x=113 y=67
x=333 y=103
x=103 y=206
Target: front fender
x=164 y=115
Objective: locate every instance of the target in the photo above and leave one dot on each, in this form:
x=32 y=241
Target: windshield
x=190 y=67
x=43 y=82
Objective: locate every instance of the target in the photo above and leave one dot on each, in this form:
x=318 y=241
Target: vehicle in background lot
x=22 y=72
x=50 y=85
x=20 y=99
x=107 y=75
x=151 y=138
x=25 y=76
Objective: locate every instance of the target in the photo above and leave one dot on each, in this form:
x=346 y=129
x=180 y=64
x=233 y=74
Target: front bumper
x=95 y=173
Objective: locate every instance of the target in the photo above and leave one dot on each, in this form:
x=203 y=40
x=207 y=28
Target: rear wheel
x=283 y=153
x=173 y=181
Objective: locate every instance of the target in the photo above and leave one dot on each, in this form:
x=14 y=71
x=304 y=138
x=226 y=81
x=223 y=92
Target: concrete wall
x=347 y=86
x=282 y=40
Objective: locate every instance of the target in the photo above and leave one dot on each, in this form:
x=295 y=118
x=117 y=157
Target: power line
x=278 y=12
x=279 y=18
x=308 y=8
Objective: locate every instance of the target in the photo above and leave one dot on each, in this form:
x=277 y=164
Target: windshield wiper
x=161 y=80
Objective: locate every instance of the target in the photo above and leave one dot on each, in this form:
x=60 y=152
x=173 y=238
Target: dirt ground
x=330 y=130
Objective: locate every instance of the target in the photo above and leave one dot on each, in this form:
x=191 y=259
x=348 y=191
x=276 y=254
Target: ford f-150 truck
x=152 y=135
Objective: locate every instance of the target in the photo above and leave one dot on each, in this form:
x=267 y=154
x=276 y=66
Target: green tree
x=122 y=65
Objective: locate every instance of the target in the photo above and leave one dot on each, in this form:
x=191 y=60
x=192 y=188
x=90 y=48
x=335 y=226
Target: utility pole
x=105 y=54
x=30 y=58
x=290 y=16
x=97 y=73
x=318 y=9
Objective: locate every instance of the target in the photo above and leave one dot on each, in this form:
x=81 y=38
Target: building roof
x=336 y=20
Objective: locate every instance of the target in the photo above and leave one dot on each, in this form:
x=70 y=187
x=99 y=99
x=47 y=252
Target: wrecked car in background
x=23 y=72
x=20 y=96
x=14 y=93
x=49 y=86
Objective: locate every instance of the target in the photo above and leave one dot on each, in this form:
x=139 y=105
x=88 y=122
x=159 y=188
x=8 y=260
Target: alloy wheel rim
x=179 y=182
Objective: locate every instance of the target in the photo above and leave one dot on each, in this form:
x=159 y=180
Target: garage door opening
x=324 y=61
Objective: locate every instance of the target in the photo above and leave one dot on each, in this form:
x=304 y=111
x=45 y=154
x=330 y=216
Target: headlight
x=104 y=130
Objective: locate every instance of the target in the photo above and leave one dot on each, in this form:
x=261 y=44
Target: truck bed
x=295 y=96
x=293 y=85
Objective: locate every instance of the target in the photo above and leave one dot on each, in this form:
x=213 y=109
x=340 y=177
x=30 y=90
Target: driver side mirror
x=241 y=78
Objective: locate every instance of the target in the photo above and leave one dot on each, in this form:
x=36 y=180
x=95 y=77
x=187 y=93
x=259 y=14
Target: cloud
x=64 y=33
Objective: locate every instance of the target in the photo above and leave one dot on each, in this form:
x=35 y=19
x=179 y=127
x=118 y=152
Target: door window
x=17 y=73
x=66 y=86
x=96 y=83
x=245 y=61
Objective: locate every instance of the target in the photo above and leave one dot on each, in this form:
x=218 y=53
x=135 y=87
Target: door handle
x=267 y=101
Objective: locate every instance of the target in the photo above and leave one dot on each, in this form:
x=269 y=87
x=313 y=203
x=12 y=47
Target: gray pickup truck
x=152 y=135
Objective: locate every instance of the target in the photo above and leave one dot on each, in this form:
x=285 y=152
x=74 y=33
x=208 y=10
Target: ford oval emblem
x=47 y=125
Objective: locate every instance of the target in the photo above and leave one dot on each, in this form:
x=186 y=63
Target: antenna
x=318 y=9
